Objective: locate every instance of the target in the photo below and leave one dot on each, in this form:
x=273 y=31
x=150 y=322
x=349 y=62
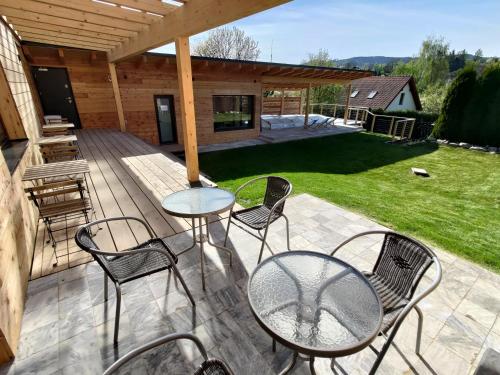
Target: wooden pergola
x=124 y=28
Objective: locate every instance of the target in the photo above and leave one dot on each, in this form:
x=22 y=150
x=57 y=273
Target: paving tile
x=80 y=354
x=38 y=340
x=45 y=362
x=461 y=318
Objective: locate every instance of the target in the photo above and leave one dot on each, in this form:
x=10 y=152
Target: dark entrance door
x=55 y=93
x=165 y=116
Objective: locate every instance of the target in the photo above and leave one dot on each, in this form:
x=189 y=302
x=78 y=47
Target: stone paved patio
x=68 y=329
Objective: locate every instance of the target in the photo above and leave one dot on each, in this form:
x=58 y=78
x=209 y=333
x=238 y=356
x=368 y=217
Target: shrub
x=449 y=124
x=488 y=95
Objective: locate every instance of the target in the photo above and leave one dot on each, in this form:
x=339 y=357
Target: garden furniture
x=314 y=304
x=401 y=265
x=209 y=366
x=200 y=203
x=139 y=261
x=261 y=216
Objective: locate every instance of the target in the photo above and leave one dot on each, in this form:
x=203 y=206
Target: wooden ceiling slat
x=41 y=33
x=27 y=35
x=31 y=6
x=58 y=21
x=27 y=24
x=56 y=41
x=104 y=10
x=153 y=6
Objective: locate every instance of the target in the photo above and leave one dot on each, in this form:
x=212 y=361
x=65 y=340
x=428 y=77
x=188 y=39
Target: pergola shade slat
x=39 y=26
x=58 y=21
x=71 y=14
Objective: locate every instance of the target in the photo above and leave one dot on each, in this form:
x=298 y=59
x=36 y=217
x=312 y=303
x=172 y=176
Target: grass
x=456 y=209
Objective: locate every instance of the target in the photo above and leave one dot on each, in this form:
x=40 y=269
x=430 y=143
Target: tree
x=228 y=43
x=432 y=98
x=326 y=93
x=449 y=124
x=478 y=55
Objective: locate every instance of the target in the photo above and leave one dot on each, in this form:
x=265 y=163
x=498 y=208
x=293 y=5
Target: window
x=401 y=98
x=372 y=94
x=233 y=112
x=354 y=93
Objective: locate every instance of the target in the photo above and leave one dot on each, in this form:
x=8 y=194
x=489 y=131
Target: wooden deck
x=128 y=177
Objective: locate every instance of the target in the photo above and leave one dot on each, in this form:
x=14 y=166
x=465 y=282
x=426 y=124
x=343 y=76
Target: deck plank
x=127 y=177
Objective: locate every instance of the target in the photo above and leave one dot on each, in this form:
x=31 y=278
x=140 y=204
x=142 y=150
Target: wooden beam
x=63 y=42
x=92 y=57
x=60 y=53
x=30 y=26
x=192 y=18
x=348 y=99
x=40 y=33
x=39 y=8
x=292 y=81
x=118 y=99
x=185 y=79
x=152 y=6
x=104 y=10
x=8 y=110
x=306 y=115
x=58 y=21
x=27 y=54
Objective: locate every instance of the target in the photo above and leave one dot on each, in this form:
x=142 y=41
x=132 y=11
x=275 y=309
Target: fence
x=273 y=105
x=395 y=126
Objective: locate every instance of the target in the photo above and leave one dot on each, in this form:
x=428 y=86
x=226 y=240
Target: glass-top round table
x=315 y=304
x=199 y=203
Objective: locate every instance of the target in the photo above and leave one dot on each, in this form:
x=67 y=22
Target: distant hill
x=361 y=61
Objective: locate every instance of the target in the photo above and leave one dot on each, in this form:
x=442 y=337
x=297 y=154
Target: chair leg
x=287 y=233
x=117 y=313
x=263 y=244
x=419 y=329
x=178 y=275
x=227 y=229
x=105 y=287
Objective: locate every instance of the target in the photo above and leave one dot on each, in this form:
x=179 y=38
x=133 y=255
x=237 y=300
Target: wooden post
x=348 y=99
x=301 y=110
x=118 y=98
x=390 y=126
x=186 y=94
x=282 y=109
x=373 y=122
x=306 y=115
x=411 y=129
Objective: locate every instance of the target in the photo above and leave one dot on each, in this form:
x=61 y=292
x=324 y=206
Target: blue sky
x=365 y=28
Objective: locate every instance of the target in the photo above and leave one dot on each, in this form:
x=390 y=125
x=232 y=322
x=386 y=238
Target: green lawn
x=456 y=209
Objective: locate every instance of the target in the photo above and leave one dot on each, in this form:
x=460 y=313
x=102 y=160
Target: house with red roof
x=398 y=93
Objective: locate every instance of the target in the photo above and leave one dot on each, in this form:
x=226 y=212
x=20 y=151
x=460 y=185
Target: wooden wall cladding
x=90 y=81
x=139 y=85
x=17 y=216
x=140 y=79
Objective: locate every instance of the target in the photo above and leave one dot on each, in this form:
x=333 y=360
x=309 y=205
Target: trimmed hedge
x=450 y=121
x=471 y=110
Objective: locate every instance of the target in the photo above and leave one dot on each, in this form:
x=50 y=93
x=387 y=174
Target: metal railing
x=394 y=126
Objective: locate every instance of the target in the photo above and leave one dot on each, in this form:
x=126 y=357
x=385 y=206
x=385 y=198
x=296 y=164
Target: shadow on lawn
x=339 y=154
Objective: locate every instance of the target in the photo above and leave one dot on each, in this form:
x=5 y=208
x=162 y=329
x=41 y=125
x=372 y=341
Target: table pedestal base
x=302 y=357
x=201 y=238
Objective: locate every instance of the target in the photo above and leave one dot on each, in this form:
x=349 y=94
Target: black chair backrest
x=401 y=264
x=83 y=239
x=277 y=188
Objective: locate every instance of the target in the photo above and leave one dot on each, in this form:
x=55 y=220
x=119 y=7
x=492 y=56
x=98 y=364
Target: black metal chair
x=121 y=267
x=209 y=366
x=401 y=264
x=261 y=216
